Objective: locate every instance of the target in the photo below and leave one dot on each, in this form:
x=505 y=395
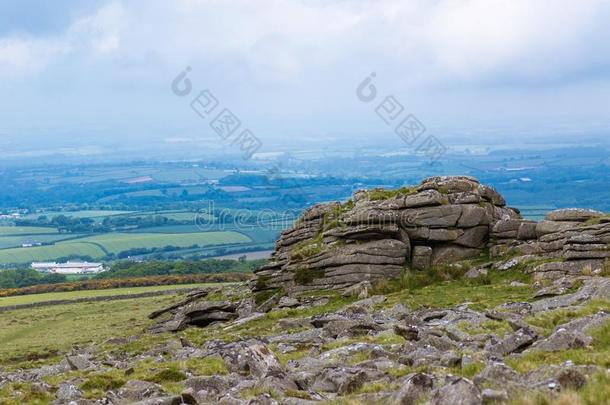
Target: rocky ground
x=436 y=294
x=458 y=341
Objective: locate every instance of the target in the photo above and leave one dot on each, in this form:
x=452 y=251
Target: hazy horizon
x=86 y=74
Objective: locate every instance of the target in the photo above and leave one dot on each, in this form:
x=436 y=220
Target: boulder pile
x=378 y=233
x=569 y=241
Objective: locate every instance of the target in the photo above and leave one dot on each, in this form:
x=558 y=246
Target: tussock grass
x=306 y=275
x=211 y=365
x=499 y=328
x=23 y=393
x=52 y=330
x=167 y=375
x=598 y=354
x=378 y=194
x=432 y=293
x=549 y=320
x=595 y=392
x=470 y=370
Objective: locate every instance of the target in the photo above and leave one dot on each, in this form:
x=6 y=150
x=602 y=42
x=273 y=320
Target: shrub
x=261 y=283
x=305 y=275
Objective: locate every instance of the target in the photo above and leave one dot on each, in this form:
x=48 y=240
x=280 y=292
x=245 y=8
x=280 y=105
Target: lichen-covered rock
x=445 y=219
x=380 y=232
x=459 y=392
x=573 y=214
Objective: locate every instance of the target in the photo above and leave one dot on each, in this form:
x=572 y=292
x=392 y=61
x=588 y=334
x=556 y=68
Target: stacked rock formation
x=572 y=241
x=378 y=232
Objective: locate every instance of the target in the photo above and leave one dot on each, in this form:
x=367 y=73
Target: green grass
x=100 y=245
x=439 y=294
x=308 y=248
x=37 y=335
x=16 y=240
x=598 y=354
x=306 y=275
x=70 y=295
x=23 y=393
x=549 y=320
x=117 y=242
x=499 y=328
x=51 y=252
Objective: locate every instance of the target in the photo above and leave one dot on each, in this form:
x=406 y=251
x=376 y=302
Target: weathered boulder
x=378 y=232
x=136 y=390
x=198 y=314
x=459 y=392
x=443 y=220
x=422 y=257
x=342 y=380
x=415 y=386
x=573 y=214
x=513 y=343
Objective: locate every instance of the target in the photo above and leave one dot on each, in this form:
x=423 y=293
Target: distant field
x=28 y=299
x=17 y=241
x=25 y=230
x=175 y=215
x=260 y=254
x=78 y=214
x=174 y=229
x=100 y=245
x=117 y=242
x=43 y=253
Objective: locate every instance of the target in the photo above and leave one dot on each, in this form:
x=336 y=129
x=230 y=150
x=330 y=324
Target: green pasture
x=17 y=241
x=43 y=332
x=71 y=295
x=51 y=252
x=118 y=242
x=25 y=230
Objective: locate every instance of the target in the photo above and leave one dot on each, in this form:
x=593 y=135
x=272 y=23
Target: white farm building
x=69 y=267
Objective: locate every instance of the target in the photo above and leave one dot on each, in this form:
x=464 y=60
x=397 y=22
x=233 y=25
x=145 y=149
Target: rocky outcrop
x=569 y=241
x=379 y=232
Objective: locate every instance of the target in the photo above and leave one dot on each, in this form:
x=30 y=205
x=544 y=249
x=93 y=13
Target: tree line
x=128 y=269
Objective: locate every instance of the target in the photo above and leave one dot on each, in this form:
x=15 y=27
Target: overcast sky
x=291 y=68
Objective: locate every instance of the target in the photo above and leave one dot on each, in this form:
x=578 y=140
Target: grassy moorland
x=33 y=337
x=29 y=335
x=71 y=295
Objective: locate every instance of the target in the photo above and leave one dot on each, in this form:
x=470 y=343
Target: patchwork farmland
x=21 y=245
